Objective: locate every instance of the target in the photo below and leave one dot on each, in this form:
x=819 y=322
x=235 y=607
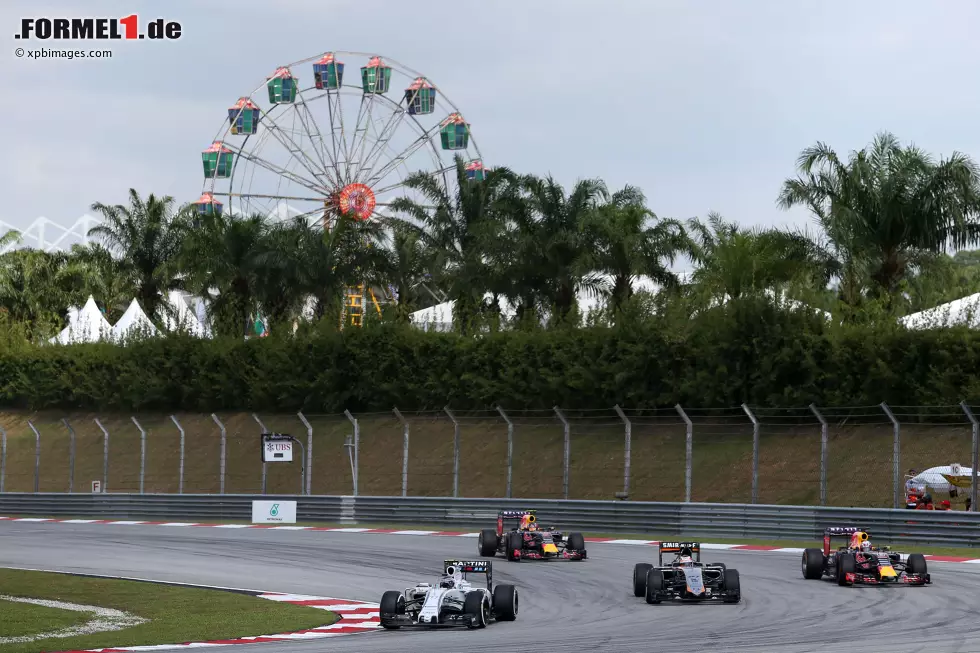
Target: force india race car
x=454 y=601
x=860 y=562
x=528 y=540
x=685 y=577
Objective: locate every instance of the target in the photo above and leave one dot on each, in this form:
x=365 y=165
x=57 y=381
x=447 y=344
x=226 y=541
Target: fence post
x=180 y=477
x=510 y=451
x=355 y=446
x=3 y=456
x=224 y=440
x=896 y=456
x=309 y=450
x=627 y=447
x=37 y=457
x=975 y=463
x=568 y=451
x=824 y=444
x=688 y=451
x=142 y=452
x=71 y=455
x=105 y=455
x=405 y=432
x=264 y=468
x=455 y=451
x=755 y=453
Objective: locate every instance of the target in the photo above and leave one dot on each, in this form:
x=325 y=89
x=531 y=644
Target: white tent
x=180 y=316
x=963 y=311
x=85 y=325
x=134 y=321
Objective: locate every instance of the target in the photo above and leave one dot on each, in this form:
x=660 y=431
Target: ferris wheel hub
x=357 y=199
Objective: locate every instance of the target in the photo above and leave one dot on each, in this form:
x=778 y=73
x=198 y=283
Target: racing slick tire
x=733 y=588
x=487 y=543
x=514 y=542
x=505 y=602
x=813 y=564
x=655 y=585
x=916 y=564
x=576 y=542
x=845 y=565
x=640 y=578
x=392 y=603
x=477 y=606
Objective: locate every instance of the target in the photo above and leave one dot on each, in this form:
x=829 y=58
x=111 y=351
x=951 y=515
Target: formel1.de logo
x=101 y=29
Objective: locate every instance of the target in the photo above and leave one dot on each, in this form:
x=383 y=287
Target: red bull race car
x=860 y=562
x=528 y=541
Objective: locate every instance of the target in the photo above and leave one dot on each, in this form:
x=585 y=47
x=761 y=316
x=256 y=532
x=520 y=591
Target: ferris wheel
x=334 y=145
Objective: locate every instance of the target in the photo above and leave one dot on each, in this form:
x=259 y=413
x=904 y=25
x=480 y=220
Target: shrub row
x=745 y=352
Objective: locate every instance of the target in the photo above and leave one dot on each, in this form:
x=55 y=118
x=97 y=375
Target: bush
x=746 y=351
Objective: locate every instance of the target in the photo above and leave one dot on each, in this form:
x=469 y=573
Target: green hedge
x=745 y=352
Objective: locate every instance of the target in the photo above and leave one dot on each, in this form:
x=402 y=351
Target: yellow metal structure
x=355 y=305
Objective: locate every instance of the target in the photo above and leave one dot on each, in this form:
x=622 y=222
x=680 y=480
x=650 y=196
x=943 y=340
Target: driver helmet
x=857 y=539
x=447 y=582
x=866 y=546
x=686 y=556
x=528 y=523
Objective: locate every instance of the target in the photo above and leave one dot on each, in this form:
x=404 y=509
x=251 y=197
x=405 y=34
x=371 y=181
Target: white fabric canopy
x=134 y=321
x=85 y=325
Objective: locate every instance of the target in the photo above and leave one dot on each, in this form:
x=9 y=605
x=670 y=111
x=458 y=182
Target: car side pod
x=814 y=564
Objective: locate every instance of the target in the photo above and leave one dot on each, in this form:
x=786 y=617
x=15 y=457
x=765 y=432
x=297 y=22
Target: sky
x=703 y=104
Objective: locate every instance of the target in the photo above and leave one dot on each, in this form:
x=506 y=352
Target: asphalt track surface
x=564 y=606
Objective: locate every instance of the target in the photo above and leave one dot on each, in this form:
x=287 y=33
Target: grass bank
x=174 y=614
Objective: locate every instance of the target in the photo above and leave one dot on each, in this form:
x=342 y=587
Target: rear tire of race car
x=514 y=543
x=487 y=544
x=655 y=585
x=917 y=564
x=845 y=565
x=640 y=578
x=477 y=606
x=812 y=564
x=733 y=588
x=392 y=603
x=576 y=542
x=505 y=602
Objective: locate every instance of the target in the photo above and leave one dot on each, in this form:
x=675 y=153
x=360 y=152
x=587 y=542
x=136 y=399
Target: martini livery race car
x=453 y=601
x=527 y=540
x=860 y=562
x=685 y=577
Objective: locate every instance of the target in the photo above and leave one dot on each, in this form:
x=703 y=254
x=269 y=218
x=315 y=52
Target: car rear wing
x=512 y=514
x=839 y=531
x=677 y=547
x=470 y=567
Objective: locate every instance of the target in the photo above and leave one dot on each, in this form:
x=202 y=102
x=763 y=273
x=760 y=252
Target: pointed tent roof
x=85 y=325
x=180 y=316
x=132 y=322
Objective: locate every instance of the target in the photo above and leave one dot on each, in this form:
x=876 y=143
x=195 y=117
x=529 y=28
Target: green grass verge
x=20 y=619
x=176 y=614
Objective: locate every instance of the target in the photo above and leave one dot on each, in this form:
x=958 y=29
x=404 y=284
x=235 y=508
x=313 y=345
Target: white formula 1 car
x=454 y=601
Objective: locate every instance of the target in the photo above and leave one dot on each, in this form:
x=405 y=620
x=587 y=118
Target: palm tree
x=564 y=239
x=147 y=237
x=31 y=291
x=630 y=240
x=411 y=259
x=462 y=227
x=888 y=206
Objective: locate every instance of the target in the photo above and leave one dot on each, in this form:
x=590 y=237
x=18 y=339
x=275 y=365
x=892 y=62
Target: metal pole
x=71 y=455
x=308 y=470
x=142 y=452
x=689 y=452
x=105 y=455
x=3 y=456
x=224 y=440
x=405 y=432
x=974 y=465
x=180 y=481
x=264 y=468
x=824 y=444
x=896 y=456
x=510 y=451
x=755 y=453
x=455 y=451
x=568 y=451
x=627 y=448
x=354 y=463
x=37 y=457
